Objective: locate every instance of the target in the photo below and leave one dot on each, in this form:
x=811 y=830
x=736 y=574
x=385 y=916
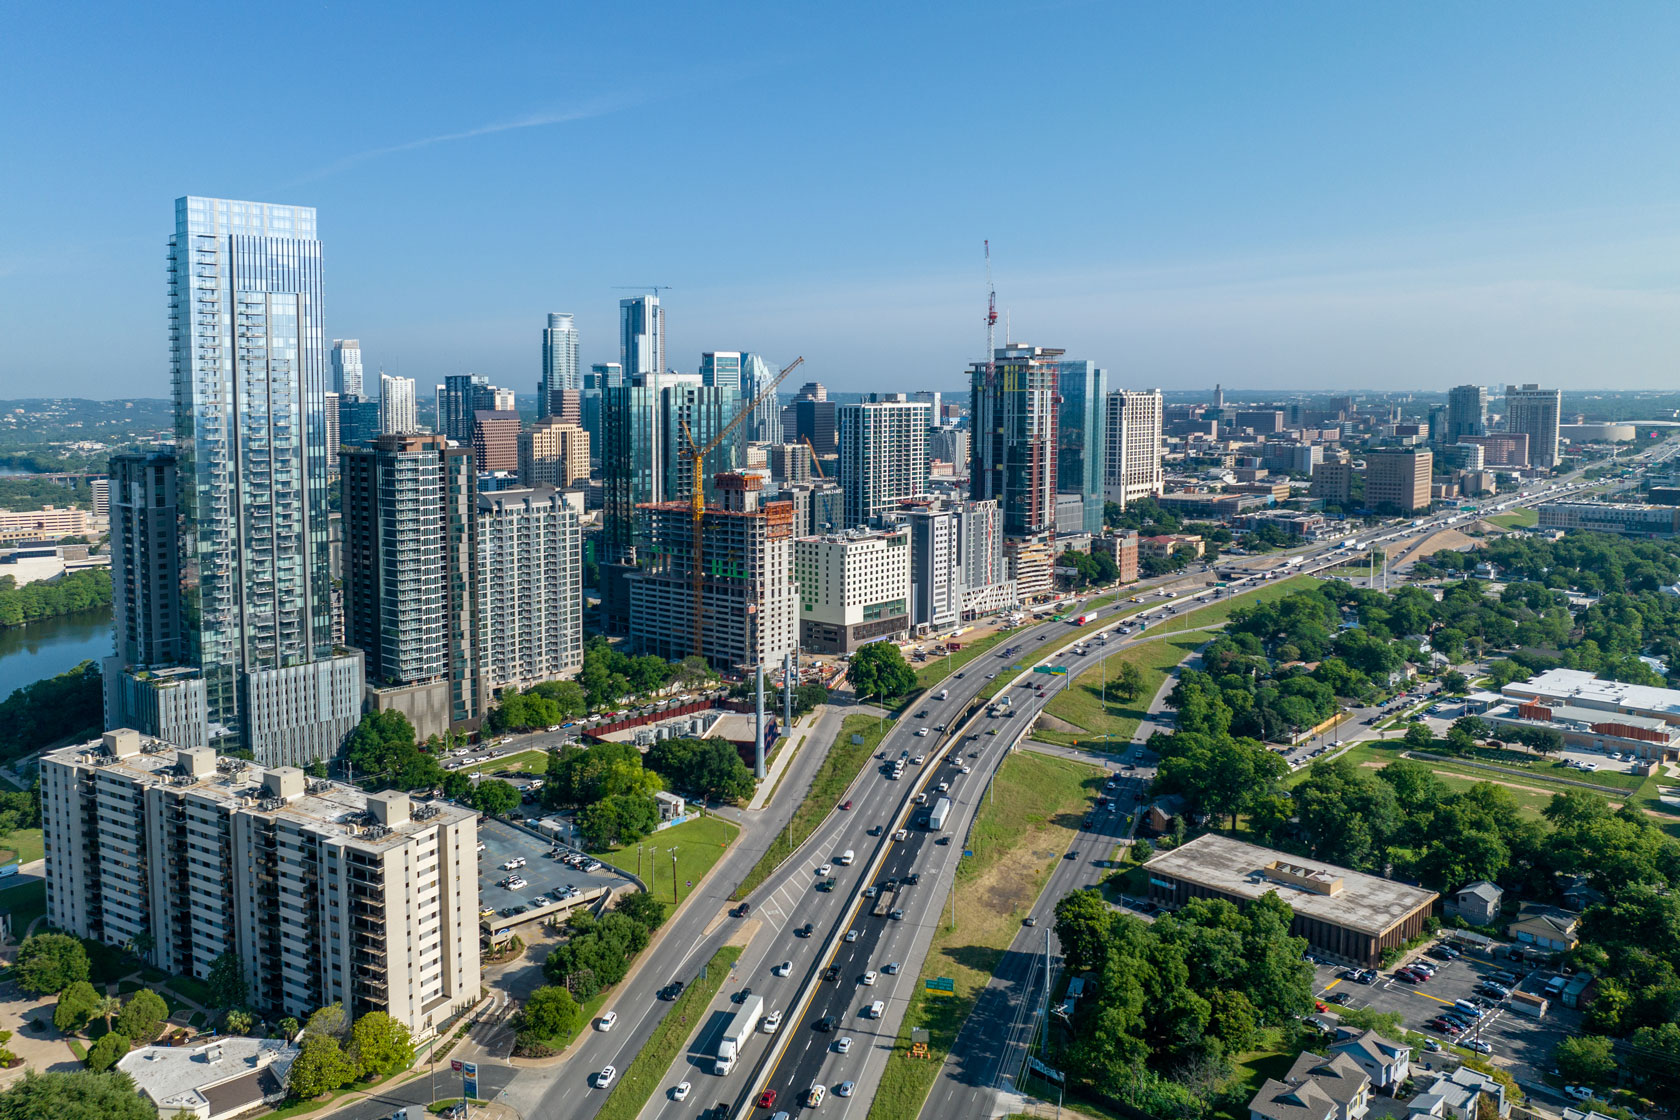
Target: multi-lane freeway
x=781 y=908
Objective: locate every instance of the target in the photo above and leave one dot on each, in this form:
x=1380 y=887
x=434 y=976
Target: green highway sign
x=942 y=984
x=1043 y=669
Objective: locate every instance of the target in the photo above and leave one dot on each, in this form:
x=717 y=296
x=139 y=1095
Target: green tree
x=549 y=1013
x=1655 y=1056
x=107 y=1050
x=380 y=1044
x=330 y=1020
x=227 y=981
x=1585 y=1059
x=1418 y=737
x=77 y=1005
x=1082 y=926
x=643 y=909
x=108 y=1009
x=47 y=963
x=376 y=744
x=287 y=1027
x=83 y=1095
x=619 y=819
x=320 y=1067
x=142 y=1016
x=239 y=1021
x=494 y=797
x=879 y=670
x=1455 y=682
x=1128 y=682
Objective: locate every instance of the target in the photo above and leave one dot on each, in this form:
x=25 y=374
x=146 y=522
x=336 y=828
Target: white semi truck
x=941 y=810
x=735 y=1034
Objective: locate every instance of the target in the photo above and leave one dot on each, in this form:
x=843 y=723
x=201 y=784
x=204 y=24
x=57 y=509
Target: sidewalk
x=784 y=757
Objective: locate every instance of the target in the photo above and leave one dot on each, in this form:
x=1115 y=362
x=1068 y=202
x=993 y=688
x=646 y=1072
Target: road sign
x=942 y=984
x=1043 y=669
x=469 y=1080
x=1044 y=1071
x=455 y=1065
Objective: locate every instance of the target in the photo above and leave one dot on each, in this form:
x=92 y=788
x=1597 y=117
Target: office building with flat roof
x=1013 y=414
x=324 y=893
x=1133 y=468
x=1082 y=437
x=854 y=588
x=1397 y=479
x=1343 y=914
x=1535 y=412
x=1627 y=519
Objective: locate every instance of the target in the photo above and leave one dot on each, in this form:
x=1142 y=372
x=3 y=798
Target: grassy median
x=840 y=768
x=1018 y=839
x=699 y=844
x=639 y=1082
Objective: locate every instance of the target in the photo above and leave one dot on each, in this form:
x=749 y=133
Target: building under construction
x=750 y=605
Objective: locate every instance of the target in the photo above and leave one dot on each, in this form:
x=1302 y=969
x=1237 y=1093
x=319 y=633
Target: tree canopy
x=879 y=670
x=84 y=1095
x=48 y=963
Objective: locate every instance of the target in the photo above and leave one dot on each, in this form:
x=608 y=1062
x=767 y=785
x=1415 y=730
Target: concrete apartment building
x=410 y=576
x=322 y=891
x=854 y=588
x=935 y=567
x=1133 y=455
x=749 y=612
x=883 y=455
x=1534 y=412
x=986 y=583
x=1501 y=449
x=1398 y=479
x=1332 y=480
x=530 y=588
x=555 y=452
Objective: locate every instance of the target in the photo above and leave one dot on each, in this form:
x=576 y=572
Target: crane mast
x=697 y=499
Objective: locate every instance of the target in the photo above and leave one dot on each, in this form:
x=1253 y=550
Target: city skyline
x=1280 y=199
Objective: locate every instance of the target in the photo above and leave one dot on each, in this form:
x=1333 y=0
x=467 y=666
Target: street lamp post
x=673 y=852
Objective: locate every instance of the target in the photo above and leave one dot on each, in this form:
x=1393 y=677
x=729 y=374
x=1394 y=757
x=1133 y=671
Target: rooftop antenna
x=991 y=319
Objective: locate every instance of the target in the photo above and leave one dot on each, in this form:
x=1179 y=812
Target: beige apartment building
x=555 y=453
x=325 y=893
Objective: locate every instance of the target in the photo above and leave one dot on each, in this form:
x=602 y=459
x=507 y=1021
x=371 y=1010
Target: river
x=49 y=647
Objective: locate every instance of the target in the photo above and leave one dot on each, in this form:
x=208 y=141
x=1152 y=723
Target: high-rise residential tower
x=1534 y=412
x=883 y=455
x=1466 y=414
x=530 y=588
x=347 y=367
x=765 y=424
x=249 y=362
x=1133 y=456
x=409 y=510
x=1013 y=456
x=398 y=414
x=1082 y=435
x=559 y=360
x=641 y=335
x=721 y=368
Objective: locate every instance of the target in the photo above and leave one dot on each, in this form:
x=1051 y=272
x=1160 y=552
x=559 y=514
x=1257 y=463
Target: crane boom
x=697 y=497
x=816 y=466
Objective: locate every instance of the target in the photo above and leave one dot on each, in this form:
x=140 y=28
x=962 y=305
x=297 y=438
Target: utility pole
x=673 y=852
x=758 y=735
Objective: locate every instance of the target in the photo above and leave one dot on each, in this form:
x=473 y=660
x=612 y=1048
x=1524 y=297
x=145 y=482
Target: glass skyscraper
x=249 y=362
x=559 y=360
x=721 y=368
x=1081 y=430
x=641 y=335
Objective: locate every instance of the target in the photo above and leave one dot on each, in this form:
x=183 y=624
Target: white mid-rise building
x=323 y=892
x=530 y=587
x=397 y=410
x=1133 y=456
x=883 y=455
x=854 y=588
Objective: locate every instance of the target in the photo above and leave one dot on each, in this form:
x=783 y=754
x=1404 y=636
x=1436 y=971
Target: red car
x=1318 y=1005
x=1407 y=975
x=846 y=804
x=767 y=1099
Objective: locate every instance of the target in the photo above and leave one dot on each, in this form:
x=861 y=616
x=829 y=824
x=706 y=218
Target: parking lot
x=542 y=872
x=1520 y=1042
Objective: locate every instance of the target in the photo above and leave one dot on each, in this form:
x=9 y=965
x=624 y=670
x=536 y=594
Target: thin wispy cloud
x=588 y=110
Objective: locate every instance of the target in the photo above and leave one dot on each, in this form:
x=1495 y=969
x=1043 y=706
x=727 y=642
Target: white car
x=771 y=1022
x=944 y=787
x=890 y=968
x=868 y=892
x=825 y=869
x=783 y=969
x=605 y=1077
x=902 y=835
x=921 y=732
x=517 y=884
x=967 y=770
x=680 y=1093
x=607 y=1022
x=869 y=978
x=843 y=1046
x=851 y=936
x=1577 y=1092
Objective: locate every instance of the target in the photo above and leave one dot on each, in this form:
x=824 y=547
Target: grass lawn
x=648 y=1067
x=1649 y=798
x=24 y=904
x=27 y=843
x=1018 y=839
x=1253 y=1068
x=1216 y=614
x=189 y=987
x=699 y=844
x=1081 y=703
x=845 y=760
x=1516 y=519
x=1458 y=777
x=525 y=762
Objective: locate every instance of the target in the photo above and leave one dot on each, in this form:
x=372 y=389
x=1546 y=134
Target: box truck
x=735 y=1034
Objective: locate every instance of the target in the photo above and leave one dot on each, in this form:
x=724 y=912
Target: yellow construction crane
x=816 y=466
x=697 y=495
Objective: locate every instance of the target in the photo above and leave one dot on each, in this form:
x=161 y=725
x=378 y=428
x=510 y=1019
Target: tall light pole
x=673 y=852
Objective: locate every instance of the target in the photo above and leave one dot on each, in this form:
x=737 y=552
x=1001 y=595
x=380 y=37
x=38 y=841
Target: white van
x=876 y=1008
x=845 y=859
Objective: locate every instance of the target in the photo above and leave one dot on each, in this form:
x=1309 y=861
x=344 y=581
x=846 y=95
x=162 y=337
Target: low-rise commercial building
x=216 y=1081
x=46 y=524
x=1623 y=519
x=1594 y=714
x=1343 y=914
x=323 y=892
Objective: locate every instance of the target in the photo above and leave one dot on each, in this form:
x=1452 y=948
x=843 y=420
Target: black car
x=831 y=973
x=825 y=1024
x=959 y=676
x=804 y=930
x=912 y=879
x=742 y=996
x=889 y=884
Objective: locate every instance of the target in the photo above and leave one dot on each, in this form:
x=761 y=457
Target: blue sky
x=1290 y=196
